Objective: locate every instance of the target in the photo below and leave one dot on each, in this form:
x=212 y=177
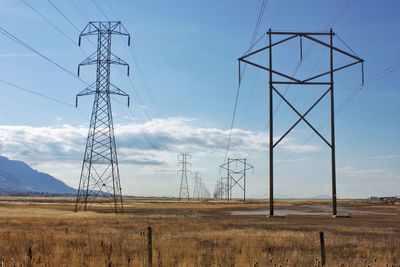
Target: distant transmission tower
x=236 y=174
x=184 y=162
x=220 y=188
x=100 y=173
x=197 y=186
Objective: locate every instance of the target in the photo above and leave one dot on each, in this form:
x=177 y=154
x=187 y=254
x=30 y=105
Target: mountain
x=19 y=177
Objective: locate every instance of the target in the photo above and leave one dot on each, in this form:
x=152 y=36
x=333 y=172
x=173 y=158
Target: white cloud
x=386 y=157
x=300 y=148
x=372 y=174
x=145 y=150
x=150 y=143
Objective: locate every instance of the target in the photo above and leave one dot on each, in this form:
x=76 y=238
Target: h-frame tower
x=235 y=176
x=100 y=173
x=322 y=79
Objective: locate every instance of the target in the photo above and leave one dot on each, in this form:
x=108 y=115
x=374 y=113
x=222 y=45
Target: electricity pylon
x=323 y=80
x=197 y=186
x=184 y=162
x=100 y=173
x=236 y=176
x=220 y=188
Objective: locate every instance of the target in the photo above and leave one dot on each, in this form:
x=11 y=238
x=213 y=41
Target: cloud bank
x=151 y=143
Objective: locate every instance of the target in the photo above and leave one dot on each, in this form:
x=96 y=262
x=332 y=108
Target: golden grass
x=45 y=232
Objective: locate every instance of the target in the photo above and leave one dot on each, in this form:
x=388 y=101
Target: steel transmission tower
x=100 y=173
x=324 y=79
x=197 y=186
x=200 y=189
x=184 y=162
x=220 y=188
x=236 y=176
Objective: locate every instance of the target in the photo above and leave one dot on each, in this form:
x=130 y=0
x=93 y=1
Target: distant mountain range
x=17 y=177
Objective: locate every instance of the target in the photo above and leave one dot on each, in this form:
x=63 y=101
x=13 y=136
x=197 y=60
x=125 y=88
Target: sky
x=183 y=85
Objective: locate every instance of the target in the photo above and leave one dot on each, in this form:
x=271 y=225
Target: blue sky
x=187 y=53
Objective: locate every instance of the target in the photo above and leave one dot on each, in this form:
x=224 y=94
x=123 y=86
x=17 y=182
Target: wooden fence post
x=322 y=244
x=149 y=247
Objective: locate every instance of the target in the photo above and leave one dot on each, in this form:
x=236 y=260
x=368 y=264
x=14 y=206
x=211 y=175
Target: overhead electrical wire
x=331 y=23
x=22 y=43
x=41 y=95
x=346 y=101
x=130 y=81
x=65 y=17
x=99 y=8
x=79 y=10
x=147 y=88
x=252 y=43
x=132 y=88
x=49 y=22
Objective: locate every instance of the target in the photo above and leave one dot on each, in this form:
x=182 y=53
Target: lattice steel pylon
x=100 y=173
x=324 y=79
x=197 y=186
x=220 y=188
x=184 y=162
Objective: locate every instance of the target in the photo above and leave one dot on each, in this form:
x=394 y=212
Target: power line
x=147 y=88
x=276 y=14
x=51 y=23
x=252 y=43
x=259 y=19
x=133 y=88
x=80 y=10
x=345 y=102
x=36 y=93
x=41 y=95
x=332 y=22
x=59 y=11
x=99 y=8
x=140 y=71
x=111 y=8
x=232 y=122
x=20 y=42
x=147 y=138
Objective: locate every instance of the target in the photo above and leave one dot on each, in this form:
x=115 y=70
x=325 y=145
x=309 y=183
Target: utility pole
x=277 y=78
x=184 y=162
x=100 y=174
x=236 y=176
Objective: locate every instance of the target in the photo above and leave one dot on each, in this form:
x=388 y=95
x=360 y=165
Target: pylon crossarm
x=267 y=47
x=90 y=60
x=302 y=117
x=333 y=47
x=118 y=61
x=298 y=33
x=273 y=71
x=329 y=72
x=90 y=90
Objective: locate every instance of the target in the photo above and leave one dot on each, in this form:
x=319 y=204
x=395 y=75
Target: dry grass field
x=43 y=231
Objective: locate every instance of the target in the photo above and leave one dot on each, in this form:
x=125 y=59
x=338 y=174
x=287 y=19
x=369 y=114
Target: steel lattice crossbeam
x=100 y=173
x=310 y=81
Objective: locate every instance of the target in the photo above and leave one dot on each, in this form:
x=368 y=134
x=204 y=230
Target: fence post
x=149 y=247
x=322 y=243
